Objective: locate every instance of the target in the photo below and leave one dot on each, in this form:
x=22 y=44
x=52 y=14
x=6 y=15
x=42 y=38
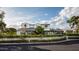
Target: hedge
x=27 y=41
x=15 y=41
x=24 y=36
x=73 y=37
x=72 y=34
x=48 y=40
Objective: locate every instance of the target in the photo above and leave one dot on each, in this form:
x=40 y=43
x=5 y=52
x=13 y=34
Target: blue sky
x=42 y=13
x=14 y=16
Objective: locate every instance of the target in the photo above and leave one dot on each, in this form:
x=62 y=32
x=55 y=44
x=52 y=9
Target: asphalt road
x=70 y=47
x=64 y=46
x=60 y=47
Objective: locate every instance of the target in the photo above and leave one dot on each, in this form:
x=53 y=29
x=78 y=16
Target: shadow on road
x=21 y=48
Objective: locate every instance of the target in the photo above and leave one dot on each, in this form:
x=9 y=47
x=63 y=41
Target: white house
x=27 y=28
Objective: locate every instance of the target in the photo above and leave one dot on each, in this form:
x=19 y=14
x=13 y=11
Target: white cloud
x=70 y=11
x=13 y=18
x=17 y=20
x=58 y=20
x=61 y=19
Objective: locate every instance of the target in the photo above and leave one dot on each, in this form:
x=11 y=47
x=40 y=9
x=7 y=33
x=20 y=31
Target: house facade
x=30 y=28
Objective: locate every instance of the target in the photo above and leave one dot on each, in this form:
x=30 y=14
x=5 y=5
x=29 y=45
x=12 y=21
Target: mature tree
x=39 y=30
x=74 y=21
x=2 y=15
x=10 y=30
x=2 y=26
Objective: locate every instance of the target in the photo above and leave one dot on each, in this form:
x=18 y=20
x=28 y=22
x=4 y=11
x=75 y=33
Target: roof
x=22 y=29
x=30 y=29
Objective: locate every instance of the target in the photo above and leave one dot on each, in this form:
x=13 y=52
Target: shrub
x=24 y=36
x=72 y=34
x=73 y=37
x=14 y=41
x=47 y=40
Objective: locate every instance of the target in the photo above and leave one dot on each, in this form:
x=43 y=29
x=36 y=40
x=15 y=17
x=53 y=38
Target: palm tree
x=74 y=21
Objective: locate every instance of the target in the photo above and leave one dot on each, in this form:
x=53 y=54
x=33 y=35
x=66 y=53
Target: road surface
x=71 y=47
x=60 y=46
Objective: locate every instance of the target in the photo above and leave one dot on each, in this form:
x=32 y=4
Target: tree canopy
x=2 y=15
x=2 y=24
x=10 y=30
x=74 y=21
x=39 y=30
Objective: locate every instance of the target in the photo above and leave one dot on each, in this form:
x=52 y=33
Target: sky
x=56 y=16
